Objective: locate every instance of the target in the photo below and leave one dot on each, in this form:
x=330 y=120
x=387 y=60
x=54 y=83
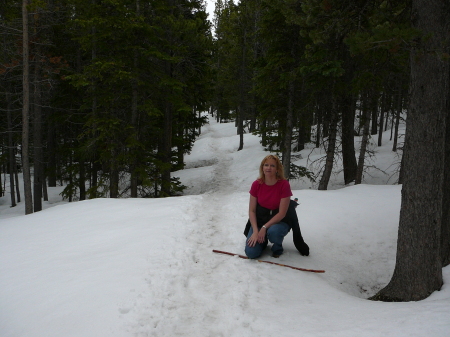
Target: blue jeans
x=275 y=234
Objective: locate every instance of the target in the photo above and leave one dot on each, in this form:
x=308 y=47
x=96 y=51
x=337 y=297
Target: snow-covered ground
x=145 y=267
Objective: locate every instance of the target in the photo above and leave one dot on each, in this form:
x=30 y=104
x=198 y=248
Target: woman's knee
x=277 y=231
x=253 y=252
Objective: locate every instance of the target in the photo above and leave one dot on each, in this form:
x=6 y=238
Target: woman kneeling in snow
x=271 y=212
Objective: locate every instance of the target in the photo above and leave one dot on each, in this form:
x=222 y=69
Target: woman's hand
x=253 y=239
x=262 y=234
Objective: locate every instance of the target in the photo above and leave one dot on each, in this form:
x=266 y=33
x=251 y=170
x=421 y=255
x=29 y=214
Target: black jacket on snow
x=263 y=215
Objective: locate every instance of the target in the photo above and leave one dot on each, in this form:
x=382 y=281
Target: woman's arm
x=252 y=216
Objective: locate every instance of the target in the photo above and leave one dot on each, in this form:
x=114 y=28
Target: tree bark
x=374 y=129
x=51 y=154
x=240 y=129
x=397 y=116
x=167 y=151
x=319 y=118
x=16 y=179
x=363 y=149
x=348 y=140
x=26 y=112
x=382 y=113
x=11 y=151
x=134 y=119
x=445 y=230
x=331 y=149
x=287 y=141
x=37 y=138
x=418 y=269
x=82 y=178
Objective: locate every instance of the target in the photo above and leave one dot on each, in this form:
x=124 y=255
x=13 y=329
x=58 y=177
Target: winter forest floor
x=145 y=267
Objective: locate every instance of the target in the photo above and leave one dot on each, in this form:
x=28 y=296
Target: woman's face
x=270 y=168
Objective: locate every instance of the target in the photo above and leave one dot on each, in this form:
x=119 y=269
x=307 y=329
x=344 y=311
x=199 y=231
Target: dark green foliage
x=118 y=74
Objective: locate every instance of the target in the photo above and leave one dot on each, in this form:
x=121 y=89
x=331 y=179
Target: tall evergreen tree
x=418 y=269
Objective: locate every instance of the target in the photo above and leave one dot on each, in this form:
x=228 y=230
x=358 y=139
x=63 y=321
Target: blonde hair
x=280 y=170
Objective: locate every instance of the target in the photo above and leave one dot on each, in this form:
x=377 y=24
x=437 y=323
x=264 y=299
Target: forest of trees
x=104 y=97
x=285 y=67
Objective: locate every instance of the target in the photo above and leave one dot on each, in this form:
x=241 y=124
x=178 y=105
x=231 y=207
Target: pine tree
x=418 y=269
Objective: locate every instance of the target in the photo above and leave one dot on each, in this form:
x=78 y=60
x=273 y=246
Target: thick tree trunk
x=418 y=269
x=445 y=230
x=26 y=113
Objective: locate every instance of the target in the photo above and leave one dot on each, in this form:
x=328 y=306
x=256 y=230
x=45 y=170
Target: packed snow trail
x=187 y=290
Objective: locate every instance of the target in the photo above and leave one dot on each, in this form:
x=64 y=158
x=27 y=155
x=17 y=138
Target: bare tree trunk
x=44 y=187
x=133 y=173
x=11 y=151
x=37 y=138
x=362 y=150
x=16 y=179
x=167 y=151
x=324 y=180
x=388 y=107
x=287 y=141
x=397 y=116
x=134 y=120
x=319 y=118
x=348 y=139
x=240 y=130
x=263 y=128
x=380 y=130
x=199 y=116
x=113 y=177
x=242 y=109
x=418 y=269
x=26 y=113
x=445 y=230
x=82 y=178
x=374 y=129
x=51 y=155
